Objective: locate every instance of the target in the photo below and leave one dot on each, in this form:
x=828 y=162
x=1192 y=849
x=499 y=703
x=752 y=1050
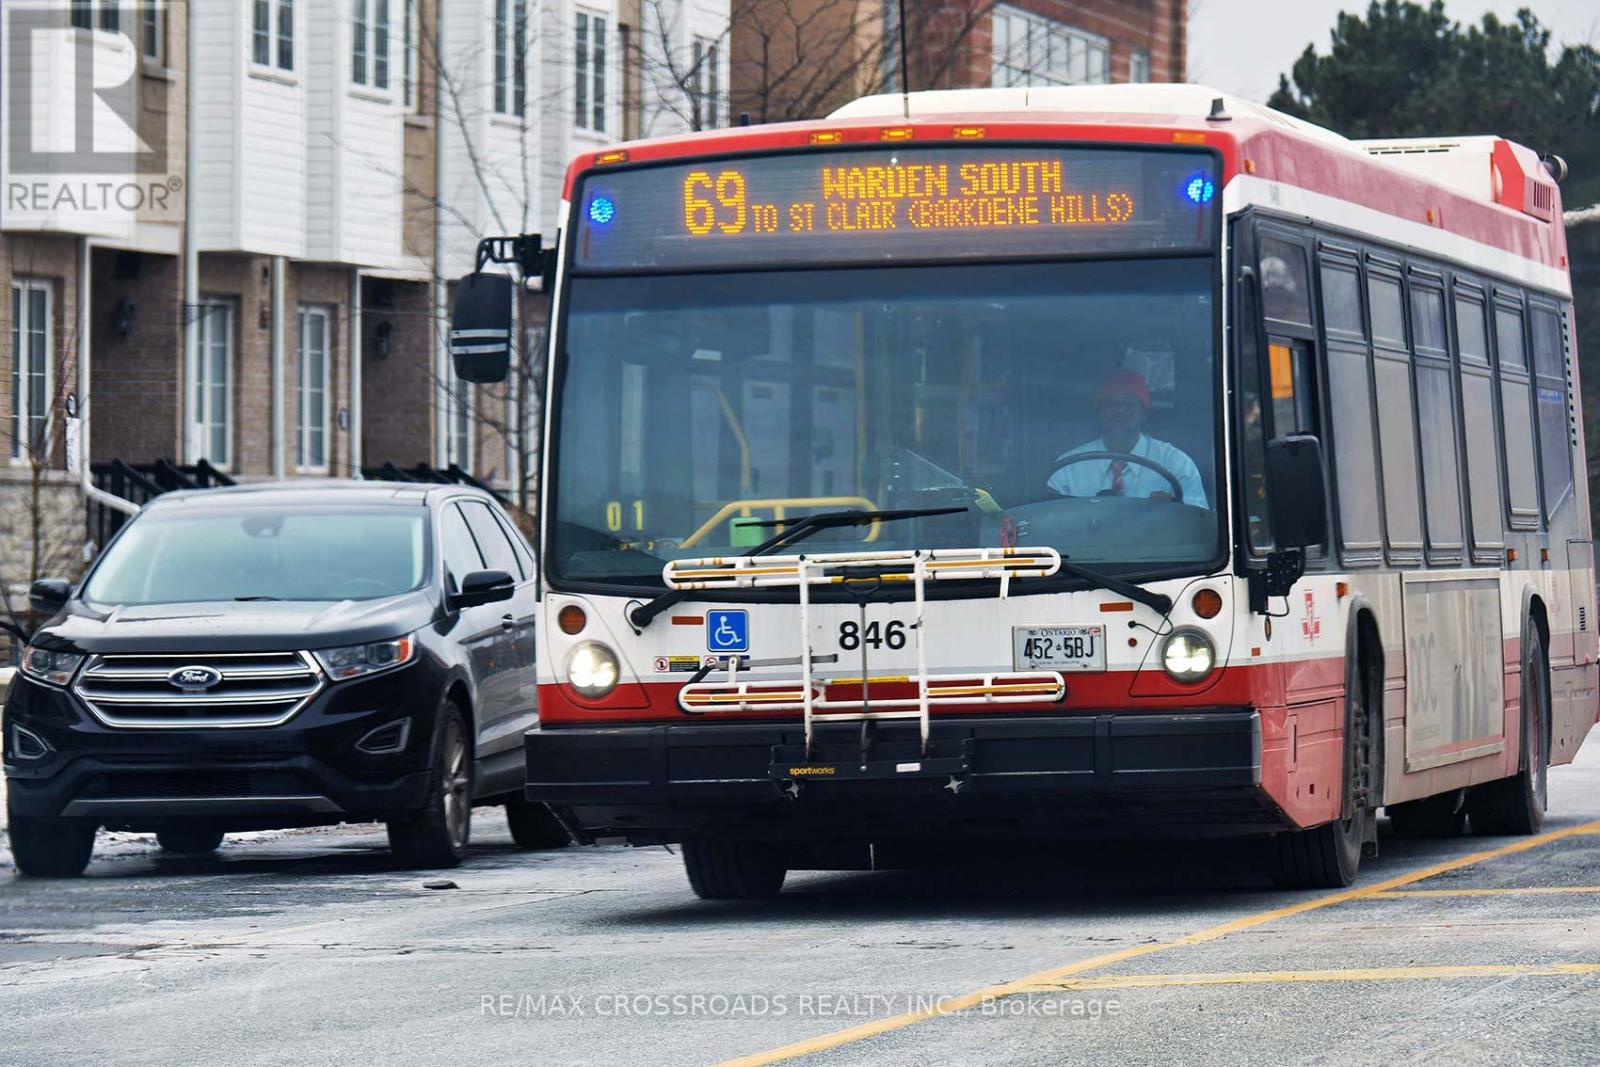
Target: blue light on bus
x=1199 y=189
x=602 y=210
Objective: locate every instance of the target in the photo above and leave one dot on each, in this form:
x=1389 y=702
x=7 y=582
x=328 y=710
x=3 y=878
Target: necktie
x=1117 y=467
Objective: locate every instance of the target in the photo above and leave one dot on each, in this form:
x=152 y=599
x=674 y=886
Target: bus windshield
x=1068 y=404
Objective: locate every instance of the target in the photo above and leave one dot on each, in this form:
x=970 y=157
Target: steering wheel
x=1128 y=457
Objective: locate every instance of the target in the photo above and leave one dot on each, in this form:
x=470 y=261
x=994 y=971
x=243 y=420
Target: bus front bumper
x=1120 y=774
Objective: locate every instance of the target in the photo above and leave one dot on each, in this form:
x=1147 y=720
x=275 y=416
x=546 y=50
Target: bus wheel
x=1327 y=856
x=733 y=870
x=1442 y=816
x=1516 y=805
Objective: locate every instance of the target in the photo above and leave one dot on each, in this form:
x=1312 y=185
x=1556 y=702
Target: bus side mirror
x=481 y=327
x=1297 y=491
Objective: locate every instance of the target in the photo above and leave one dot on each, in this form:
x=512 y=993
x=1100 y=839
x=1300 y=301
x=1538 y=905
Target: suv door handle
x=508 y=621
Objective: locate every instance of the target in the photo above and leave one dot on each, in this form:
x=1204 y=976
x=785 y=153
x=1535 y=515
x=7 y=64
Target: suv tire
x=436 y=834
x=49 y=848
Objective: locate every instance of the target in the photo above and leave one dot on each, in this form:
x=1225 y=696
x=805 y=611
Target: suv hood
x=252 y=626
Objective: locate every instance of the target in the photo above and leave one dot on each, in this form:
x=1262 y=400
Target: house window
x=1139 y=65
x=410 y=55
x=589 y=89
x=84 y=11
x=369 y=43
x=1032 y=50
x=30 y=368
x=211 y=399
x=707 y=84
x=311 y=450
x=272 y=34
x=459 y=435
x=153 y=30
x=511 y=57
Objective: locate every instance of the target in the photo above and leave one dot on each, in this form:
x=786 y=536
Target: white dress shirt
x=1094 y=476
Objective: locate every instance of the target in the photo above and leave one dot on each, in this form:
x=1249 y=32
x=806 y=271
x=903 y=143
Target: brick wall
x=135 y=384
x=397 y=390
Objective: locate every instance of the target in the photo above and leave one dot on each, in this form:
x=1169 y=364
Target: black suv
x=281 y=655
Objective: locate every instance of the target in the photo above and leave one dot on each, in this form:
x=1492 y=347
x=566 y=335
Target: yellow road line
x=1518 y=891
x=1359 y=974
x=1046 y=979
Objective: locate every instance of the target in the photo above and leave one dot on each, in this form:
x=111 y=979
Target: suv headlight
x=1188 y=655
x=358 y=661
x=49 y=666
x=592 y=669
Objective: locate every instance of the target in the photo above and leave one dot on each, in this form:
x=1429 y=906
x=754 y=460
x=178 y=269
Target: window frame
x=304 y=428
x=153 y=31
x=1349 y=256
x=509 y=59
x=371 y=25
x=707 y=88
x=1544 y=305
x=1465 y=288
x=591 y=60
x=1384 y=269
x=411 y=57
x=1438 y=552
x=22 y=327
x=202 y=414
x=1005 y=70
x=1511 y=299
x=278 y=38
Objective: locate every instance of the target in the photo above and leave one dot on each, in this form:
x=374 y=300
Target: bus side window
x=1350 y=443
x=1485 y=503
x=1252 y=424
x=1516 y=408
x=1550 y=383
x=1436 y=420
x=1397 y=433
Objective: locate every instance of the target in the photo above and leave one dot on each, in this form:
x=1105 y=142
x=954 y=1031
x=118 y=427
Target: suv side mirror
x=483 y=587
x=1297 y=491
x=48 y=595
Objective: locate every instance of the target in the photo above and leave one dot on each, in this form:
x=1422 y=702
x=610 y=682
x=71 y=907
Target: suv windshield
x=1068 y=404
x=188 y=554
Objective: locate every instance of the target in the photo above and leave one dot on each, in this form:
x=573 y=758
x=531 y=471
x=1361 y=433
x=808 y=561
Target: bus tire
x=733 y=870
x=1516 y=805
x=1444 y=815
x=1328 y=856
x=535 y=826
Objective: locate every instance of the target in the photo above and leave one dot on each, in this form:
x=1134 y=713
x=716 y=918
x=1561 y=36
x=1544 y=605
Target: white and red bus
x=1023 y=464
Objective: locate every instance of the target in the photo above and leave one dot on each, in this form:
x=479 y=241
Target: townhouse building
x=228 y=230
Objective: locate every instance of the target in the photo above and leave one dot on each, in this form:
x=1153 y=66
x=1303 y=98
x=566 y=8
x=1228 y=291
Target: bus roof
x=1483 y=188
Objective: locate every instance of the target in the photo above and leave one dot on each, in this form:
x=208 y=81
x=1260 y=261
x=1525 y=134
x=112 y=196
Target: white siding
x=219 y=59
x=251 y=140
x=354 y=151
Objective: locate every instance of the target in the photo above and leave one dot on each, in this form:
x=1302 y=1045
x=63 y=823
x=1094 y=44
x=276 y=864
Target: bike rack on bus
x=865 y=573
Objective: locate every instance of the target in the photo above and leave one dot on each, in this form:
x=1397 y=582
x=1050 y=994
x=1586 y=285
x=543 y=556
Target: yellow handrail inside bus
x=779 y=507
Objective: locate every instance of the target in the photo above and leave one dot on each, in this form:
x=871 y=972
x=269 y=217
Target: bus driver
x=1122 y=402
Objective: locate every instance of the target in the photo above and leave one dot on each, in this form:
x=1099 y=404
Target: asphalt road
x=307 y=948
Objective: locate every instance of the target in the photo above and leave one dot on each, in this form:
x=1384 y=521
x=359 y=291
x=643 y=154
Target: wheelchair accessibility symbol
x=728 y=631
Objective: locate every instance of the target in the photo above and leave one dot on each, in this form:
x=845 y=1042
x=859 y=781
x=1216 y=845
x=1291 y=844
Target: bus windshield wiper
x=1160 y=603
x=794 y=531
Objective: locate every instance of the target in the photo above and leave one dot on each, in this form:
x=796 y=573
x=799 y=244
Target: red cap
x=1126 y=383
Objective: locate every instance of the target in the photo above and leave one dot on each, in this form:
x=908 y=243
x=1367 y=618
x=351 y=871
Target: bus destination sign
x=919 y=204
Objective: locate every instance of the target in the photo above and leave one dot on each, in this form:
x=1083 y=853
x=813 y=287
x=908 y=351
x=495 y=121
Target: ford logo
x=195 y=678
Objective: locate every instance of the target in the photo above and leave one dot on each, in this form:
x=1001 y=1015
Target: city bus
x=1042 y=464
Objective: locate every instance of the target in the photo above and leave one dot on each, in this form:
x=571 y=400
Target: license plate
x=1058 y=648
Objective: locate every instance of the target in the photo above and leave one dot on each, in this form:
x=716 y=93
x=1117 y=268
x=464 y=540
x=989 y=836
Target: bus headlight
x=1188 y=655
x=592 y=669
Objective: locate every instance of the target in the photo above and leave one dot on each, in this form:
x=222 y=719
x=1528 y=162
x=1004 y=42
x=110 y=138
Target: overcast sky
x=1241 y=46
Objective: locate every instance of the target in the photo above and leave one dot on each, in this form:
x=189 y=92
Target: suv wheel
x=436 y=834
x=534 y=826
x=189 y=840
x=50 y=848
